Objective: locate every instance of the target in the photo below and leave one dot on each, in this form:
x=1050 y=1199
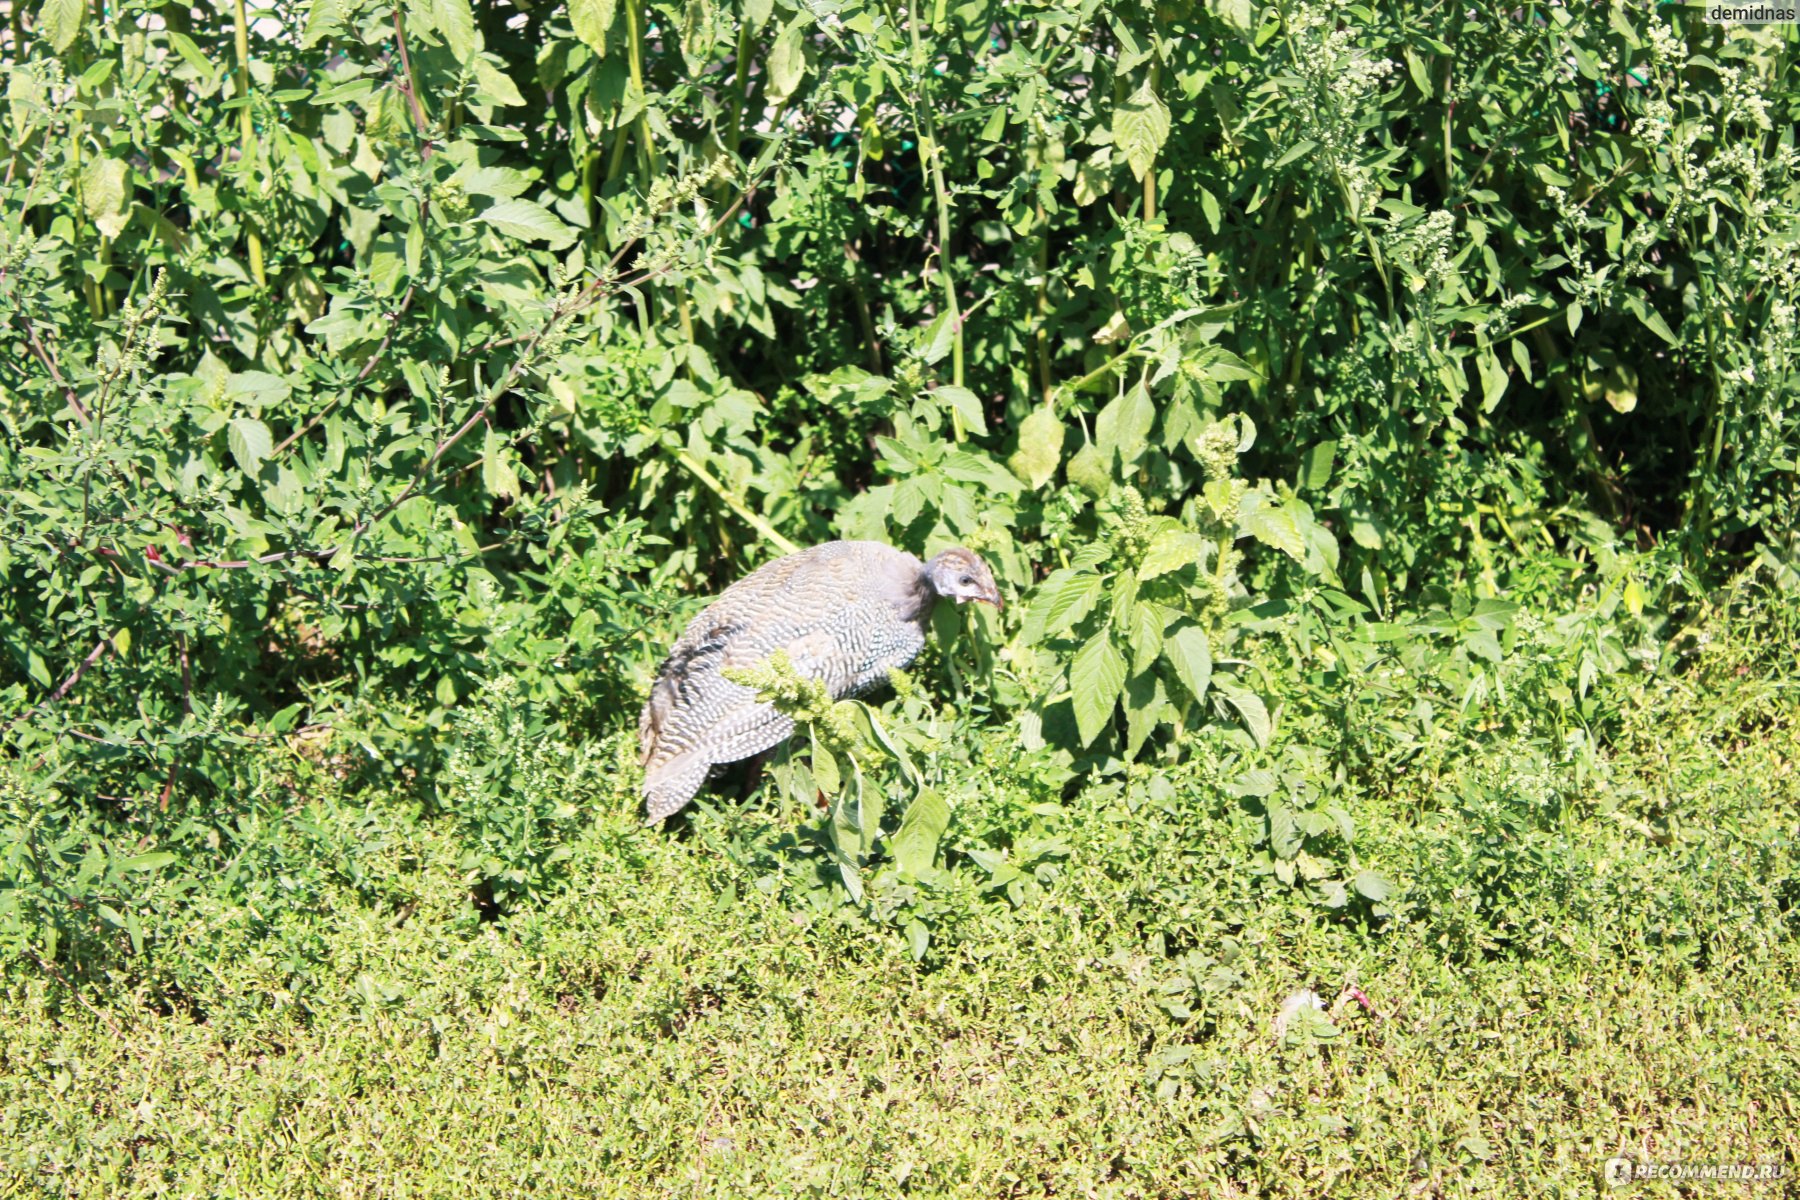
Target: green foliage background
x=1369 y=411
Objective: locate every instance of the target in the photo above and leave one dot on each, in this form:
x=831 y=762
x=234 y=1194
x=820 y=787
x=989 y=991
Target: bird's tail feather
x=670 y=784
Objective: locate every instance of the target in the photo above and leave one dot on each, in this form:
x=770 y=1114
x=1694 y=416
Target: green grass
x=678 y=1022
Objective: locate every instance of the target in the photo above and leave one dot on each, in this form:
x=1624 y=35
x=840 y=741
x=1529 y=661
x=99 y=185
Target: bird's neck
x=917 y=603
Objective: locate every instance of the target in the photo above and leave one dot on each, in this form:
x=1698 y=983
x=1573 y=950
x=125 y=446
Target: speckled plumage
x=846 y=613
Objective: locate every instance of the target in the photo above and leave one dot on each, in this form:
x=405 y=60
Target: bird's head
x=960 y=575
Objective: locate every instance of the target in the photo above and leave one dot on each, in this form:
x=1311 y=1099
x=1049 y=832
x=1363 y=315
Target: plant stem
x=634 y=21
x=247 y=132
x=615 y=159
x=931 y=160
x=1150 y=172
x=770 y=534
x=740 y=90
x=864 y=318
x=411 y=84
x=1040 y=336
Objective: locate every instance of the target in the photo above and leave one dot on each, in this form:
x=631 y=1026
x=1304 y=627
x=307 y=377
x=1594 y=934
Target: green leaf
x=977 y=468
x=530 y=222
x=338 y=328
x=1241 y=14
x=257 y=390
x=501 y=183
x=1484 y=644
x=1095 y=679
x=1285 y=838
x=1317 y=472
x=1145 y=705
x=787 y=60
x=938 y=339
x=966 y=405
x=250 y=444
x=915 y=844
x=850 y=835
x=1619 y=385
x=1279 y=525
x=496 y=84
x=1040 y=447
x=1493 y=379
x=1123 y=427
x=1171 y=550
x=1250 y=709
x=825 y=769
x=1146 y=633
x=324 y=18
x=1652 y=320
x=456 y=23
x=497 y=472
x=1187 y=650
x=1454 y=379
x=1209 y=208
x=1088 y=470
x=288 y=494
x=1140 y=126
x=60 y=21
x=1299 y=150
x=874 y=731
x=104 y=196
x=152 y=861
x=1372 y=885
x=1072 y=600
x=194 y=56
x=591 y=19
x=1522 y=358
x=1415 y=66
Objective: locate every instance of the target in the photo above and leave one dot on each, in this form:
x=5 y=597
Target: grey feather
x=846 y=613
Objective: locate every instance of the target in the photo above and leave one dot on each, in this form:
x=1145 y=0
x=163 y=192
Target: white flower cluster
x=1424 y=249
x=1657 y=124
x=1745 y=98
x=1776 y=268
x=1500 y=319
x=1341 y=79
x=1666 y=46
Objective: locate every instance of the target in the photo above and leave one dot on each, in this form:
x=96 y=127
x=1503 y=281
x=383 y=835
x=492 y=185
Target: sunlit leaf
x=1095 y=679
x=1140 y=127
x=1040 y=447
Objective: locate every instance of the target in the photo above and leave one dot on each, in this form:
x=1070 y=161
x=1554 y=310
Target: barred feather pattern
x=846 y=613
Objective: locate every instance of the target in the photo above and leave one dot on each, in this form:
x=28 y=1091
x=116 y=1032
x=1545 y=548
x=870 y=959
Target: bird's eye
x=968 y=581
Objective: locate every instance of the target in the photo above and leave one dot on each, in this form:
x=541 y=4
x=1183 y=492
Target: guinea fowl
x=846 y=613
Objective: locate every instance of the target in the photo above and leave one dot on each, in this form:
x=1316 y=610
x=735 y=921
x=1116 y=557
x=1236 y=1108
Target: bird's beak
x=995 y=600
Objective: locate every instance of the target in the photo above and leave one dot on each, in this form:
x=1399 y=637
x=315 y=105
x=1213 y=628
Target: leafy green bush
x=515 y=790
x=359 y=357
